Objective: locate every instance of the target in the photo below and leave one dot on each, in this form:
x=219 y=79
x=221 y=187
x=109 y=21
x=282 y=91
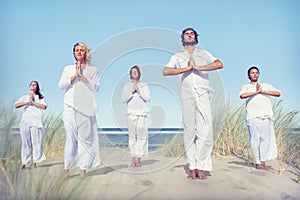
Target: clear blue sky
x=37 y=39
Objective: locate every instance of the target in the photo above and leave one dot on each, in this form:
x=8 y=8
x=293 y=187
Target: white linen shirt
x=32 y=115
x=258 y=105
x=136 y=104
x=192 y=81
x=80 y=95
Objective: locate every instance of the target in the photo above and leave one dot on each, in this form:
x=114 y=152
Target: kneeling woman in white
x=31 y=125
x=136 y=94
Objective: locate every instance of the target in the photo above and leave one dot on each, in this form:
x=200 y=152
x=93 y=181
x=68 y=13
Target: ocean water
x=110 y=137
x=118 y=137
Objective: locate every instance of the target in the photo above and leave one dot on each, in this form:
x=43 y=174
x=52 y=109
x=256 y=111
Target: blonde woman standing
x=80 y=82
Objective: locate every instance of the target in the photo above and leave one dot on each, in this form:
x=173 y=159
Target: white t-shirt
x=32 y=115
x=136 y=104
x=192 y=81
x=79 y=95
x=258 y=105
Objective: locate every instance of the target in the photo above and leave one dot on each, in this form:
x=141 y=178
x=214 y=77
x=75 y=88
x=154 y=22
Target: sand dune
x=161 y=178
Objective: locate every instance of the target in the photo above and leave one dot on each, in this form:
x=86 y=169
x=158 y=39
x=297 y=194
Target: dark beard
x=189 y=43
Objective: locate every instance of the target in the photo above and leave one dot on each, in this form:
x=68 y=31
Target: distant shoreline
x=123 y=130
x=150 y=130
x=172 y=130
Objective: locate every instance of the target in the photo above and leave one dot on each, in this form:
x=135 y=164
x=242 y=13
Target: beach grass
x=173 y=147
x=8 y=120
x=234 y=137
x=54 y=135
x=230 y=135
x=17 y=183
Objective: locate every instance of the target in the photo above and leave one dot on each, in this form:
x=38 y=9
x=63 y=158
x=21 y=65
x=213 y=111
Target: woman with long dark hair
x=31 y=125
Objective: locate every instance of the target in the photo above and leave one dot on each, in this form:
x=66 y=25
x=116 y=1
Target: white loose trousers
x=138 y=135
x=31 y=138
x=198 y=131
x=82 y=146
x=262 y=138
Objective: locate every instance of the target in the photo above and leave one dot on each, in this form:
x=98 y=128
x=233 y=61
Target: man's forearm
x=210 y=67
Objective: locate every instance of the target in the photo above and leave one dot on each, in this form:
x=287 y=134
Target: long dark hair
x=38 y=92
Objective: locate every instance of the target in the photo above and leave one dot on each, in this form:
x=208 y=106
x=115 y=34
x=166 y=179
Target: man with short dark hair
x=136 y=94
x=259 y=118
x=194 y=66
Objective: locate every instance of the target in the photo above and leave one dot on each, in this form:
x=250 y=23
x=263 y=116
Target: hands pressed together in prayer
x=135 y=88
x=191 y=64
x=79 y=73
x=31 y=99
x=258 y=88
x=209 y=67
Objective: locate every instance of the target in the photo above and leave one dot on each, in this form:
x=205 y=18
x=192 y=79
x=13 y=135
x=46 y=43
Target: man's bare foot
x=82 y=173
x=133 y=162
x=138 y=162
x=264 y=164
x=66 y=173
x=192 y=174
x=200 y=174
x=260 y=166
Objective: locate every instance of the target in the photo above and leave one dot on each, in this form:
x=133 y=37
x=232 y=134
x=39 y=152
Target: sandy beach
x=158 y=178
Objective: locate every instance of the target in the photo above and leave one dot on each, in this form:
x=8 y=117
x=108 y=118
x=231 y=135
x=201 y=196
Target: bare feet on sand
x=66 y=174
x=200 y=174
x=261 y=166
x=138 y=162
x=82 y=173
x=196 y=173
x=135 y=162
x=192 y=174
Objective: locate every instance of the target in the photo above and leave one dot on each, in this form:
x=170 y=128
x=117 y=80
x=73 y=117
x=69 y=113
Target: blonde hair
x=87 y=52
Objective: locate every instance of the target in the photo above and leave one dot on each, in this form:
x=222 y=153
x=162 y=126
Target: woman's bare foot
x=66 y=173
x=133 y=162
x=138 y=162
x=82 y=173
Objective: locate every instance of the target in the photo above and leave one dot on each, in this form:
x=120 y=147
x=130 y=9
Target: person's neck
x=190 y=48
x=135 y=80
x=81 y=62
